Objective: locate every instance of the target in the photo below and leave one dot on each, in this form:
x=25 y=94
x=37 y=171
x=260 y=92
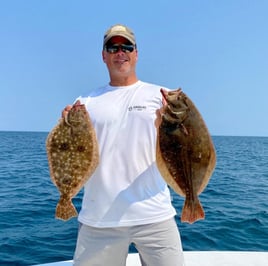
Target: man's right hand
x=66 y=110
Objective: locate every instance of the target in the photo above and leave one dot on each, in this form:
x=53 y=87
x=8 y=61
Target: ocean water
x=235 y=202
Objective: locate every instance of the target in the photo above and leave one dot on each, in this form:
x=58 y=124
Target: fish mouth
x=176 y=110
x=171 y=96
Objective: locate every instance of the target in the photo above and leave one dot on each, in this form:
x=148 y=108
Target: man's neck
x=123 y=81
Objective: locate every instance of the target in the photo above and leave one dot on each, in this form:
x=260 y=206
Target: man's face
x=119 y=60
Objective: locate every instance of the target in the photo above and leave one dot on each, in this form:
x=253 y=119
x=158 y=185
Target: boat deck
x=202 y=258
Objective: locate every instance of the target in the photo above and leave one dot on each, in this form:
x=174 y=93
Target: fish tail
x=65 y=209
x=192 y=211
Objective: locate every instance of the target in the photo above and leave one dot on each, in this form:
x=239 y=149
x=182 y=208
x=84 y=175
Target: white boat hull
x=202 y=258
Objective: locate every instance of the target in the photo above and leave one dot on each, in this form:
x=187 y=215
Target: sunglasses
x=114 y=48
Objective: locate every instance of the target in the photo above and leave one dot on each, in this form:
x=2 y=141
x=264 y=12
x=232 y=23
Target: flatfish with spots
x=73 y=156
x=185 y=153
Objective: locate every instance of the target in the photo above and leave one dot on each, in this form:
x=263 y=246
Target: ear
x=136 y=55
x=103 y=56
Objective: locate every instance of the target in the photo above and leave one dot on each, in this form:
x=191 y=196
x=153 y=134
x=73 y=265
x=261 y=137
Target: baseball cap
x=119 y=30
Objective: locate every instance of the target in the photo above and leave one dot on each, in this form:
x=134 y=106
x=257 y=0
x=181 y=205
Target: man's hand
x=66 y=110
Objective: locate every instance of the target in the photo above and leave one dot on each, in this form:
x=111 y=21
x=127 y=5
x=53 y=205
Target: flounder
x=185 y=153
x=73 y=156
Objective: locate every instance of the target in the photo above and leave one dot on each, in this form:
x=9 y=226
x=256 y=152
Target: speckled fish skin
x=185 y=154
x=73 y=156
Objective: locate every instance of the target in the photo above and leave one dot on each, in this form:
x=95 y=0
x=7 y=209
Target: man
x=126 y=200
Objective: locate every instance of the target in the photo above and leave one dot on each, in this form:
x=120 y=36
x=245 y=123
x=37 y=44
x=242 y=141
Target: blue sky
x=217 y=51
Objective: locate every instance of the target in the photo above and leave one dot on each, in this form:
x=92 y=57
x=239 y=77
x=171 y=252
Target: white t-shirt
x=126 y=189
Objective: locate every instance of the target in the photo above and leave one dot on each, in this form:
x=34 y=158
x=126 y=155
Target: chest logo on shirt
x=137 y=108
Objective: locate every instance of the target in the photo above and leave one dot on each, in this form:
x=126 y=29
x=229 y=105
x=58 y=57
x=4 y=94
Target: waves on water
x=235 y=202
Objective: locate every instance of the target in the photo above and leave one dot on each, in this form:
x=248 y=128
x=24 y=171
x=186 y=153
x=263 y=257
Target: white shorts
x=158 y=244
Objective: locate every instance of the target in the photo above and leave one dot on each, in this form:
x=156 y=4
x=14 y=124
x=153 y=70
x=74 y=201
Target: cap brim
x=118 y=34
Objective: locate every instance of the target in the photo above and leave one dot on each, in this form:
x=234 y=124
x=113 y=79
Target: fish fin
x=65 y=209
x=192 y=211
